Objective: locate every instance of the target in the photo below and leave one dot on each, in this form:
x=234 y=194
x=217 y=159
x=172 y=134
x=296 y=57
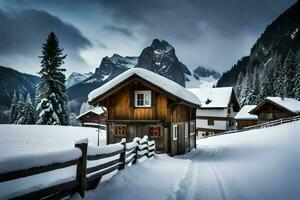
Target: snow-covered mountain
x=160 y=58
x=202 y=78
x=75 y=78
x=272 y=68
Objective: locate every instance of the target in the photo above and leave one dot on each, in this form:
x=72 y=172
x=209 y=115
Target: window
x=186 y=130
x=142 y=98
x=269 y=115
x=210 y=122
x=175 y=132
x=154 y=131
x=120 y=130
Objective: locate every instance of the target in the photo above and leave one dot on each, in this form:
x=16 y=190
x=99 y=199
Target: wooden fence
x=266 y=125
x=120 y=155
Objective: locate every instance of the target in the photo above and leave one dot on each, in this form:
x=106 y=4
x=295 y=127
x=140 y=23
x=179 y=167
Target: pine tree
x=13 y=109
x=47 y=115
x=289 y=69
x=54 y=89
x=20 y=113
x=278 y=79
x=297 y=76
x=28 y=112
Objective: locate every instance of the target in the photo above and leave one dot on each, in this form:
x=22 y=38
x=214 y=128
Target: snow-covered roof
x=96 y=110
x=213 y=97
x=158 y=80
x=288 y=103
x=244 y=113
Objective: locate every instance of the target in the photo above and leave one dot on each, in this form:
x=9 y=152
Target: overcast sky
x=212 y=33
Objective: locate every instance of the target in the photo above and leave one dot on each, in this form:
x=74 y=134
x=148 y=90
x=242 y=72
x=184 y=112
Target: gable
x=268 y=106
x=152 y=80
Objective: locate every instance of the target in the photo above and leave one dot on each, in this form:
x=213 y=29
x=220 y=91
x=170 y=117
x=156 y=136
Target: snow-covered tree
x=53 y=87
x=47 y=115
x=29 y=113
x=297 y=76
x=289 y=69
x=13 y=112
x=20 y=113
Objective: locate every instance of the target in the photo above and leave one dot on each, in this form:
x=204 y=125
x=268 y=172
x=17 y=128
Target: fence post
x=81 y=166
x=123 y=155
x=147 y=148
x=136 y=152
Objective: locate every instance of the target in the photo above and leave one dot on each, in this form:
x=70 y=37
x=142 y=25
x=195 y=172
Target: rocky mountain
x=272 y=68
x=75 y=78
x=13 y=81
x=160 y=58
x=109 y=68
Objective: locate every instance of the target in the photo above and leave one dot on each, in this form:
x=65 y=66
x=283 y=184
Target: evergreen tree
x=28 y=112
x=47 y=115
x=20 y=113
x=13 y=109
x=278 y=79
x=297 y=76
x=289 y=69
x=53 y=85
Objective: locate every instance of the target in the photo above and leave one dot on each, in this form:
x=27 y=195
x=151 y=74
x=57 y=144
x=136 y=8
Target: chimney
x=281 y=96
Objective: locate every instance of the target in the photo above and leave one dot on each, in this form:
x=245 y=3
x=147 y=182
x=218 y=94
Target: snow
x=26 y=146
x=293 y=35
x=268 y=61
x=244 y=113
x=20 y=140
x=27 y=161
x=160 y=81
x=202 y=83
x=256 y=164
x=92 y=150
x=288 y=103
x=219 y=97
x=95 y=110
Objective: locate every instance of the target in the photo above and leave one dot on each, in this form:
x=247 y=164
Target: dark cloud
x=24 y=31
x=204 y=32
x=124 y=31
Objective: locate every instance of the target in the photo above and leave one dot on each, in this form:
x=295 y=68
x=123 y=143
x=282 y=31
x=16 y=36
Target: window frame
x=175 y=127
x=144 y=93
x=210 y=120
x=186 y=130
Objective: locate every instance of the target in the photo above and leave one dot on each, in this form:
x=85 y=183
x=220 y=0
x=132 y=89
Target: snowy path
x=255 y=165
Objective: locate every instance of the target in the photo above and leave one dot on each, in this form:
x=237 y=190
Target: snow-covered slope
x=258 y=164
x=75 y=78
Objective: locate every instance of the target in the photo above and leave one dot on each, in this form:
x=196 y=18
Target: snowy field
x=257 y=164
x=30 y=139
x=26 y=145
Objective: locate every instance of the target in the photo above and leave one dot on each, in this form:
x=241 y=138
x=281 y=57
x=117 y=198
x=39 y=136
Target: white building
x=218 y=108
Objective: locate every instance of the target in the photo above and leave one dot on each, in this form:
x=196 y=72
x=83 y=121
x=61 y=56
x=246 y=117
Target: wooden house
x=95 y=117
x=244 y=119
x=217 y=111
x=273 y=108
x=140 y=102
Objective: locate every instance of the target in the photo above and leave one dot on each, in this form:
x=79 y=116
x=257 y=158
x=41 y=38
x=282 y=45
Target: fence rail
x=266 y=124
x=120 y=155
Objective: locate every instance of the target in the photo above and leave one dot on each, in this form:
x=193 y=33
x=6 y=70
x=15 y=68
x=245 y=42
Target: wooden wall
x=245 y=123
x=268 y=109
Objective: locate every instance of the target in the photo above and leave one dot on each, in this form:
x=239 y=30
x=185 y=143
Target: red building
x=93 y=118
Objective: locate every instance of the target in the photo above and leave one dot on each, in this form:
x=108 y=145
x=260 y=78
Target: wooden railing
x=266 y=125
x=119 y=155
